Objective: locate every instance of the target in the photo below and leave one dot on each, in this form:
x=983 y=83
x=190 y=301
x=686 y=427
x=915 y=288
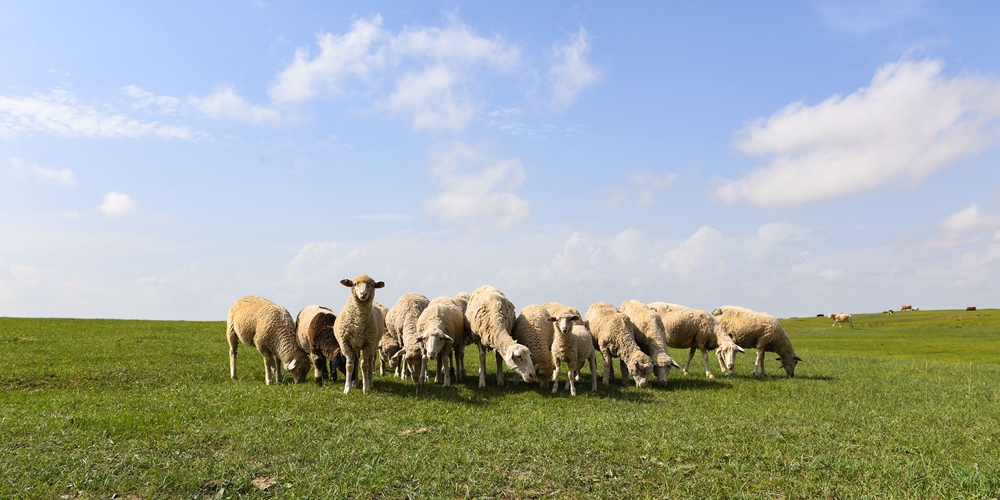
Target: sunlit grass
x=902 y=406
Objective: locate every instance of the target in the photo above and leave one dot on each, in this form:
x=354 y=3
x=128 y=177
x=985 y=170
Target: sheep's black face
x=789 y=365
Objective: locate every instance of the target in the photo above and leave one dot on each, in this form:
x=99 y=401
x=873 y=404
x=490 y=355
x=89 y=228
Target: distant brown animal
x=970 y=308
x=841 y=318
x=889 y=312
x=906 y=307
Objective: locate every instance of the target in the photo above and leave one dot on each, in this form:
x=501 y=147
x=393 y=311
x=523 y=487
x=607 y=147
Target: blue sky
x=159 y=161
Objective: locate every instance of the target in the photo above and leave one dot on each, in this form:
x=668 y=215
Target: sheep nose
x=662 y=381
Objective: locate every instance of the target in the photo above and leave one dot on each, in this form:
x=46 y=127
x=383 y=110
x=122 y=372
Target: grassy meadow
x=902 y=406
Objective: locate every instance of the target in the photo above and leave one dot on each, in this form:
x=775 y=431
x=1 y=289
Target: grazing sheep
x=314 y=331
x=970 y=308
x=697 y=329
x=906 y=307
x=650 y=336
x=260 y=323
x=359 y=328
x=613 y=334
x=402 y=325
x=760 y=331
x=572 y=344
x=841 y=318
x=458 y=351
x=387 y=345
x=441 y=326
x=889 y=312
x=491 y=318
x=532 y=329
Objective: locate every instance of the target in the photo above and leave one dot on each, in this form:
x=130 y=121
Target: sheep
x=572 y=344
x=441 y=326
x=387 y=345
x=458 y=351
x=491 y=318
x=650 y=336
x=906 y=307
x=697 y=330
x=532 y=329
x=402 y=324
x=841 y=318
x=970 y=308
x=613 y=334
x=258 y=322
x=760 y=331
x=314 y=331
x=359 y=328
x=889 y=312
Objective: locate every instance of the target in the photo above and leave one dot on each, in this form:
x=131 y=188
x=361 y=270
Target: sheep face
x=788 y=363
x=434 y=342
x=363 y=287
x=388 y=352
x=563 y=322
x=298 y=367
x=640 y=368
x=518 y=358
x=727 y=356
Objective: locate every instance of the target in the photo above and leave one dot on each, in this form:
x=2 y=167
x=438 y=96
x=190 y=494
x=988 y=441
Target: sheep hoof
x=709 y=375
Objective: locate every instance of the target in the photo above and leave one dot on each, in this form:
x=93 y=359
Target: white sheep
x=359 y=328
x=697 y=329
x=614 y=336
x=841 y=318
x=650 y=336
x=402 y=325
x=572 y=344
x=260 y=323
x=532 y=329
x=491 y=318
x=458 y=351
x=760 y=331
x=387 y=345
x=441 y=326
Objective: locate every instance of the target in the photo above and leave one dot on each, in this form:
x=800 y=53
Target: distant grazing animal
x=970 y=308
x=841 y=318
x=258 y=322
x=889 y=312
x=906 y=307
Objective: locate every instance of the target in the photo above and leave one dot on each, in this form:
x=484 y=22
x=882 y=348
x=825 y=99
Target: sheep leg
x=624 y=367
x=688 y=364
x=351 y=356
x=704 y=355
x=367 y=370
x=555 y=377
x=447 y=368
x=234 y=342
x=268 y=365
x=333 y=367
x=569 y=376
x=500 y=369
x=319 y=368
x=459 y=363
x=593 y=371
x=759 y=362
x=423 y=370
x=608 y=369
x=482 y=366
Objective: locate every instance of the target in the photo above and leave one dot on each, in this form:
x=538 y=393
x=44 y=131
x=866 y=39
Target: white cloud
x=706 y=244
x=117 y=204
x=865 y=16
x=60 y=114
x=226 y=104
x=385 y=217
x=147 y=100
x=62 y=177
x=648 y=184
x=476 y=189
x=429 y=98
x=910 y=122
x=571 y=72
x=969 y=219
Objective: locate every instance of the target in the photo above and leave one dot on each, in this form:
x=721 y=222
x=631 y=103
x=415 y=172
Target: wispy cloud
x=59 y=113
x=142 y=99
x=571 y=72
x=385 y=217
x=62 y=177
x=477 y=189
x=969 y=219
x=910 y=122
x=865 y=16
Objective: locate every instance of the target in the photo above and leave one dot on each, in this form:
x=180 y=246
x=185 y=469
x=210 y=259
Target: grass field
x=902 y=406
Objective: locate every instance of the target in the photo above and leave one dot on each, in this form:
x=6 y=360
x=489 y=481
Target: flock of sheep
x=534 y=344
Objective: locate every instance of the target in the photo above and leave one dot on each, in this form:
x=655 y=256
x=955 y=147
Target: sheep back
x=532 y=329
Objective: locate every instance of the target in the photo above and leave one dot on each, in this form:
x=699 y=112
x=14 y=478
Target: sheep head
x=388 y=353
x=298 y=367
x=518 y=358
x=788 y=363
x=640 y=367
x=563 y=322
x=363 y=287
x=727 y=356
x=434 y=342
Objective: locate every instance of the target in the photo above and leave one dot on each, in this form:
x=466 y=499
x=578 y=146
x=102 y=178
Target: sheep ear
x=422 y=337
x=293 y=364
x=738 y=348
x=796 y=358
x=574 y=318
x=379 y=284
x=551 y=319
x=447 y=338
x=717 y=312
x=346 y=282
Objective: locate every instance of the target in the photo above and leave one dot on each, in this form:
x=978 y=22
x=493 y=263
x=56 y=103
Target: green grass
x=899 y=407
